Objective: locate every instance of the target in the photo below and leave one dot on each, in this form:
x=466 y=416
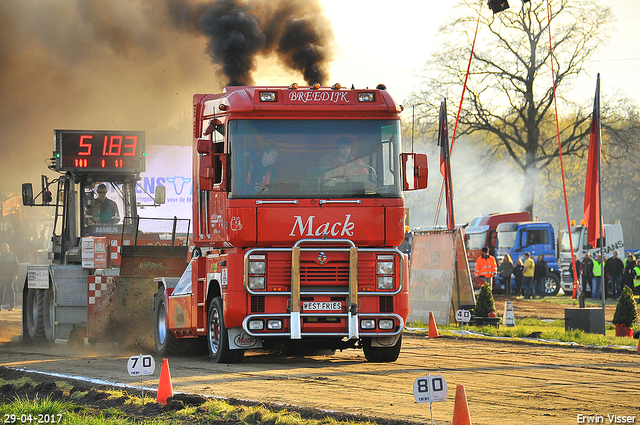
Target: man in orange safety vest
x=486 y=267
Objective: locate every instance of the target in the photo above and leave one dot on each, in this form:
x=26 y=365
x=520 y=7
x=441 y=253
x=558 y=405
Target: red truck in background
x=481 y=232
x=297 y=215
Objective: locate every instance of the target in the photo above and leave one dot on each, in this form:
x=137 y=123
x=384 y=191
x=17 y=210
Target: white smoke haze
x=480 y=186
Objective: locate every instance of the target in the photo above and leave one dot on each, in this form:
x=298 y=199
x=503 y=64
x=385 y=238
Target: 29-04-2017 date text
x=31 y=419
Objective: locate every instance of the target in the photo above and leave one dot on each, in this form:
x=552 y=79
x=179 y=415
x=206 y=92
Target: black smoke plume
x=238 y=31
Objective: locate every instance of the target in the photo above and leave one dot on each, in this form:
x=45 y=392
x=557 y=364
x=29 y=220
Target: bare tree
x=509 y=97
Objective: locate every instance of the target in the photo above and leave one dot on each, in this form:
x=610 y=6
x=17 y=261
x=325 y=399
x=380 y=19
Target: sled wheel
x=35 y=315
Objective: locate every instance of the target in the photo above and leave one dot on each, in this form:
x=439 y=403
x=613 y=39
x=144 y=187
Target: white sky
x=388 y=42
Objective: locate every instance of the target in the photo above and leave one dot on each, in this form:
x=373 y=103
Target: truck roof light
x=336 y=86
x=293 y=86
x=315 y=86
x=381 y=87
x=268 y=96
x=365 y=97
x=222 y=107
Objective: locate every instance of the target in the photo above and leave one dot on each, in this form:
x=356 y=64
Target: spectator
x=506 y=270
x=587 y=272
x=517 y=274
x=540 y=275
x=629 y=273
x=614 y=268
x=578 y=267
x=8 y=275
x=486 y=267
x=527 y=276
x=596 y=286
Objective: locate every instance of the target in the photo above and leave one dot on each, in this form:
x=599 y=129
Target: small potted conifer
x=484 y=311
x=626 y=313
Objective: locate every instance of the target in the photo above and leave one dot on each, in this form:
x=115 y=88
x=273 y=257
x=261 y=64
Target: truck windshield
x=314 y=158
x=506 y=240
x=476 y=240
x=575 y=236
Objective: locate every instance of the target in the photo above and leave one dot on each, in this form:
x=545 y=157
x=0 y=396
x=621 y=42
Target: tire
x=551 y=284
x=381 y=354
x=48 y=314
x=217 y=338
x=166 y=343
x=34 y=312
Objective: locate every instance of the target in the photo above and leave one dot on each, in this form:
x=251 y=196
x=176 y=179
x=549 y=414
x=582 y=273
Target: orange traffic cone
x=460 y=408
x=433 y=329
x=165 y=389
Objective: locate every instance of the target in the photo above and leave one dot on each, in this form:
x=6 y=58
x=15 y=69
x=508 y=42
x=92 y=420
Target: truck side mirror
x=416 y=175
x=160 y=195
x=27 y=194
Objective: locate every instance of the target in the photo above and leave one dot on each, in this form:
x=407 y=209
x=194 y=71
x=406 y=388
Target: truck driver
x=342 y=163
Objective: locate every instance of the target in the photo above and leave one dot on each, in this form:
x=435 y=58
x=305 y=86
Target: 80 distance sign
x=430 y=389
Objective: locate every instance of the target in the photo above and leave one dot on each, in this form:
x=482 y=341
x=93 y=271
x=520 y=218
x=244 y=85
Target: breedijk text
x=333 y=229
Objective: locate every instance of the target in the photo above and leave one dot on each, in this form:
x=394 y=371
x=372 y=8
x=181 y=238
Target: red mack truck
x=297 y=214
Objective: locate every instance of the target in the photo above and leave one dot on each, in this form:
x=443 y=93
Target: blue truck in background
x=534 y=237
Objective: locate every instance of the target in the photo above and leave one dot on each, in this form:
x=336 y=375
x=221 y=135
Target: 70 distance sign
x=144 y=364
x=430 y=389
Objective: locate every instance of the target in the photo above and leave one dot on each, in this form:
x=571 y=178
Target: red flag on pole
x=445 y=163
x=592 y=216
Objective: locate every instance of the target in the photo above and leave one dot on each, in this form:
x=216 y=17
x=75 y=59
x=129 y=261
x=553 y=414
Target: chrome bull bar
x=295 y=314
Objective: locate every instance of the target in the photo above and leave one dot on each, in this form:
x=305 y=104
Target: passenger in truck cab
x=261 y=172
x=342 y=163
x=104 y=210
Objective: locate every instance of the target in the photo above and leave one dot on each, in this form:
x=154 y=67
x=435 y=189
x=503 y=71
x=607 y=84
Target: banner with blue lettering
x=168 y=166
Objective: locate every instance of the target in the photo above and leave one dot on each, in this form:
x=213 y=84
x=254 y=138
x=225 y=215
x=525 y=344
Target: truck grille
x=257 y=304
x=386 y=304
x=335 y=273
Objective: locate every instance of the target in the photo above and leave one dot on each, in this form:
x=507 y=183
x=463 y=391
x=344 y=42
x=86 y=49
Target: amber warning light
x=105 y=151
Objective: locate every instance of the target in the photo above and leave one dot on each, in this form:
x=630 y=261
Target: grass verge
x=545 y=329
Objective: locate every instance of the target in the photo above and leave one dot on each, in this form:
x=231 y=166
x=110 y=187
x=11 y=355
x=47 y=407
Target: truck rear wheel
x=381 y=354
x=34 y=312
x=217 y=337
x=166 y=343
x=551 y=284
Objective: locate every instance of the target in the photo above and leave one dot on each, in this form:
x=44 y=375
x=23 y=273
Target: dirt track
x=511 y=383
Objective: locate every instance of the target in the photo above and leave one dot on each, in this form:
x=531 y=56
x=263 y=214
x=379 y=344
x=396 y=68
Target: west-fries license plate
x=321 y=306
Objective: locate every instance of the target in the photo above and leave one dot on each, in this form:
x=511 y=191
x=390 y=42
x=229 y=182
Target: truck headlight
x=367 y=324
x=256 y=325
x=256 y=283
x=274 y=324
x=257 y=267
x=385 y=267
x=386 y=324
x=385 y=282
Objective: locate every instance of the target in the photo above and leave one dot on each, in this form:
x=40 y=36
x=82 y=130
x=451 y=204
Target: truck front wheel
x=381 y=354
x=217 y=337
x=551 y=284
x=166 y=343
